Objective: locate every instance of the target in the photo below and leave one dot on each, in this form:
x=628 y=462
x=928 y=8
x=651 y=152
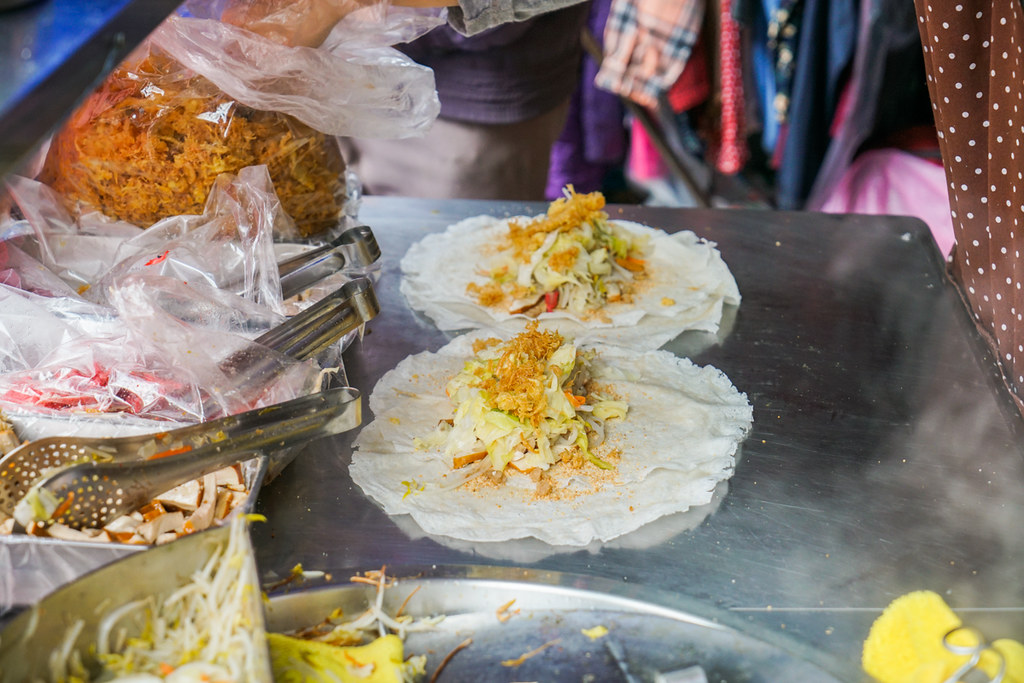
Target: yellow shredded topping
x=564 y=213
x=150 y=142
x=515 y=379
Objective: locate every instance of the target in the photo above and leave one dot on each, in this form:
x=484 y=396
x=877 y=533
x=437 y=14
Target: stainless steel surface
x=353 y=250
x=54 y=52
x=885 y=454
x=642 y=639
x=95 y=492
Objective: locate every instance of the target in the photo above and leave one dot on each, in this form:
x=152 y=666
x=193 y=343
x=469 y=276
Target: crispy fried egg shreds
x=515 y=380
x=564 y=260
x=563 y=214
x=487 y=294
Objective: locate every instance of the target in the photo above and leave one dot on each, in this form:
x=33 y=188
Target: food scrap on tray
x=536 y=435
x=573 y=268
x=366 y=647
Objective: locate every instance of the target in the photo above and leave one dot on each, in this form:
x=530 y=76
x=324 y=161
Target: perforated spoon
x=99 y=479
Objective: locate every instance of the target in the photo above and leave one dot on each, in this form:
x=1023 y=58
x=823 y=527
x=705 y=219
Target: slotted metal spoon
x=99 y=479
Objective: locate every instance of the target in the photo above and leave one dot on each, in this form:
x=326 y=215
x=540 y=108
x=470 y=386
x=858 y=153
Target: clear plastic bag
x=151 y=142
x=149 y=325
x=355 y=84
x=201 y=97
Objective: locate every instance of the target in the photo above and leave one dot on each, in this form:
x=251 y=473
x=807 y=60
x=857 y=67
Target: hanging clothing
x=762 y=57
x=827 y=38
x=973 y=55
x=594 y=139
x=647 y=45
x=895 y=183
x=886 y=95
x=729 y=149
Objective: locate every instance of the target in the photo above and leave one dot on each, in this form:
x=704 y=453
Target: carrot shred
x=532 y=653
x=448 y=657
x=64 y=506
x=169 y=452
x=406 y=601
x=461 y=461
x=503 y=613
x=632 y=263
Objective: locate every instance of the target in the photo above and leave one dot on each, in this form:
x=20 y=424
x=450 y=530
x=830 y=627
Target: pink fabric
x=644 y=161
x=892 y=182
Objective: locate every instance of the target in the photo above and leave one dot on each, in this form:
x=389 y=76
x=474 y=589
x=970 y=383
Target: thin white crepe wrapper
x=679 y=440
x=682 y=268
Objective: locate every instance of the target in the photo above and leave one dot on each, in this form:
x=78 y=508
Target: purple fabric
x=594 y=139
x=507 y=74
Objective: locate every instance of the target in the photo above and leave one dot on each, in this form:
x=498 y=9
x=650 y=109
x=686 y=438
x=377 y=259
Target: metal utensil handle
x=251 y=368
x=231 y=427
x=98 y=492
x=325 y=322
x=355 y=248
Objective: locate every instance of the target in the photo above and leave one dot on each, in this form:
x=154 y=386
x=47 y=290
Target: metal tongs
x=973 y=649
x=302 y=336
x=99 y=479
x=113 y=469
x=353 y=250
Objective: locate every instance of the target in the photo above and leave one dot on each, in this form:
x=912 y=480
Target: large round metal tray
x=644 y=641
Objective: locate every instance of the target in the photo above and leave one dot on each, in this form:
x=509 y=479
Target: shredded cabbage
x=572 y=258
x=524 y=403
x=37 y=505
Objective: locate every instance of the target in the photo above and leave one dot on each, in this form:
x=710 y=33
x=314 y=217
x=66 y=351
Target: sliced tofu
x=202 y=518
x=166 y=537
x=185 y=497
x=125 y=524
x=223 y=504
x=230 y=477
x=170 y=521
x=8 y=439
x=66 y=533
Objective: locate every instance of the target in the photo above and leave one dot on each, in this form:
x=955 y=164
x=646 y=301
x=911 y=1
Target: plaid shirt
x=647 y=43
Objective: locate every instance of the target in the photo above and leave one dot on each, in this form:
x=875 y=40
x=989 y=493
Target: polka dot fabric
x=975 y=72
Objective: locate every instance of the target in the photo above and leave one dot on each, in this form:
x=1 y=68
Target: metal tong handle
x=302 y=336
x=355 y=248
x=94 y=493
x=325 y=322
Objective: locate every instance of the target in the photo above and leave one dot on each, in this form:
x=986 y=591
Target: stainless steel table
x=885 y=454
